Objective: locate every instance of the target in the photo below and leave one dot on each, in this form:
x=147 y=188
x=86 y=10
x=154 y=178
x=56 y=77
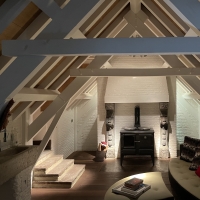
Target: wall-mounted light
x=191 y=95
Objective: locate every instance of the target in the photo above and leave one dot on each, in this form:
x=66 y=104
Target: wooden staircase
x=52 y=171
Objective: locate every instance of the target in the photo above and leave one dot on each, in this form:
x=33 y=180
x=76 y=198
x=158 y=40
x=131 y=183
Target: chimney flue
x=137 y=116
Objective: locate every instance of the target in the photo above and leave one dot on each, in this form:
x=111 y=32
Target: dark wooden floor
x=99 y=176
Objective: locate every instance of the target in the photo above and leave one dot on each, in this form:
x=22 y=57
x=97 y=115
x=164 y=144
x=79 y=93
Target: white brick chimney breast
x=136 y=90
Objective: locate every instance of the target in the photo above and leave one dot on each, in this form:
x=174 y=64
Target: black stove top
x=136 y=129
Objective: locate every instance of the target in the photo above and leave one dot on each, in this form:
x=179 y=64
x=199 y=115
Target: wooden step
x=48 y=164
x=56 y=173
x=67 y=181
x=44 y=155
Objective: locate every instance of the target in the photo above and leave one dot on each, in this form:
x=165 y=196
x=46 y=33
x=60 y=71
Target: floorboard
x=99 y=176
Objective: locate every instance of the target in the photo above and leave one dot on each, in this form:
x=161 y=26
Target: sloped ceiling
x=33 y=20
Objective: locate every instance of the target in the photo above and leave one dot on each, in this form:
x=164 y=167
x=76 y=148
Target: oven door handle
x=137 y=141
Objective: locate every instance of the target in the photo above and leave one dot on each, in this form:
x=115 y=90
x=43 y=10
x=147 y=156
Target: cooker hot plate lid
x=136 y=129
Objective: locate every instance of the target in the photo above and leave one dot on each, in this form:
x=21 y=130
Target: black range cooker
x=137 y=140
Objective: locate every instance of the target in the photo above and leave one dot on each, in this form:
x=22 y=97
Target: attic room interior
x=96 y=92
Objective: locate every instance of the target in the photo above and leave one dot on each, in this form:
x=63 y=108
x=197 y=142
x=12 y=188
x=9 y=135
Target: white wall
x=171 y=82
x=77 y=128
x=136 y=90
x=86 y=124
x=187 y=116
x=63 y=135
x=101 y=114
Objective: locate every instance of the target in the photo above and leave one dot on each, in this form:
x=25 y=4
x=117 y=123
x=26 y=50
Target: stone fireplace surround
x=124 y=117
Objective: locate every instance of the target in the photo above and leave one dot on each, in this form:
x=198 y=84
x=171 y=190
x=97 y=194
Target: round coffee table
x=158 y=188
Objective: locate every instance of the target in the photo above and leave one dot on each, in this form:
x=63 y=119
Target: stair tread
x=69 y=177
x=48 y=162
x=72 y=173
x=59 y=169
x=44 y=155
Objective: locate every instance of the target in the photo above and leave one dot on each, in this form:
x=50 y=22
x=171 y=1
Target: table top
x=158 y=188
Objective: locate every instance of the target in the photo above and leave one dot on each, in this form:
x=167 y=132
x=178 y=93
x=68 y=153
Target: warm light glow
x=141 y=176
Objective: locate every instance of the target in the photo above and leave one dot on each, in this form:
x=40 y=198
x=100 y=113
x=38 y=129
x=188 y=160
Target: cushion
x=196 y=160
x=191 y=143
x=198 y=172
x=187 y=154
x=188 y=149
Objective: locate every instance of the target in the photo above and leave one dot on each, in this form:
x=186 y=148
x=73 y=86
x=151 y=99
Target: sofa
x=183 y=175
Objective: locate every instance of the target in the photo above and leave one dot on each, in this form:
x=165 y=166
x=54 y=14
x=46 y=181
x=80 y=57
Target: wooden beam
x=36 y=106
x=135 y=19
x=193 y=82
x=135 y=5
x=53 y=77
x=62 y=3
x=78 y=35
x=173 y=15
x=97 y=15
x=85 y=96
x=20 y=110
x=45 y=83
x=56 y=105
x=5 y=62
x=28 y=94
x=10 y=10
x=160 y=31
x=126 y=31
x=14 y=80
x=190 y=33
x=62 y=78
x=48 y=80
x=188 y=10
x=155 y=25
x=66 y=62
x=68 y=93
x=104 y=46
x=59 y=70
x=173 y=61
x=189 y=62
x=49 y=7
x=134 y=72
x=31 y=32
x=43 y=72
x=74 y=16
x=108 y=19
x=43 y=20
x=169 y=25
x=82 y=91
x=115 y=26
